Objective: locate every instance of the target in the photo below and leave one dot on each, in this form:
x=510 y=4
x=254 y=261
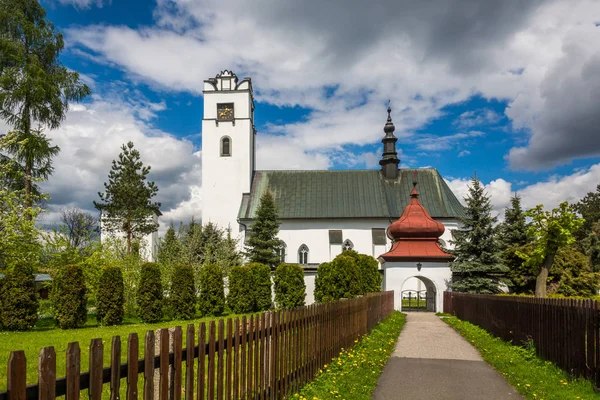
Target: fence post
x=47 y=374
x=17 y=375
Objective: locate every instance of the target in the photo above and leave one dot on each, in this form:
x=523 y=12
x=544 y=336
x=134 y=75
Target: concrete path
x=432 y=361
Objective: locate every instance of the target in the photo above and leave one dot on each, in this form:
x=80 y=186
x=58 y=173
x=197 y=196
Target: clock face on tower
x=225 y=112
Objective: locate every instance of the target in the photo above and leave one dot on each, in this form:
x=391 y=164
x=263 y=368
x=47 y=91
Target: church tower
x=389 y=160
x=228 y=148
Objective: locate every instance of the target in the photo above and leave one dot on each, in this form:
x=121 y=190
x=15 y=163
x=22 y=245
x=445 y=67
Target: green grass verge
x=354 y=374
x=533 y=377
x=45 y=334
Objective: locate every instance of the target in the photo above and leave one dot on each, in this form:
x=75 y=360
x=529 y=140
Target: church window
x=225 y=112
x=225 y=146
x=281 y=252
x=335 y=236
x=378 y=235
x=348 y=245
x=303 y=255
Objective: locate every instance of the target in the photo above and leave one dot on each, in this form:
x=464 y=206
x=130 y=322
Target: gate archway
x=415 y=299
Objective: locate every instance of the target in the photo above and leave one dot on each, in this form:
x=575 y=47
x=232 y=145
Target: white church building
x=322 y=212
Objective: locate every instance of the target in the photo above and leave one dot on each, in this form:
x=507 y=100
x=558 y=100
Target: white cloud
x=85 y=3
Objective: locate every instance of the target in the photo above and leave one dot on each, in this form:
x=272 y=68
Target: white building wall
x=398 y=275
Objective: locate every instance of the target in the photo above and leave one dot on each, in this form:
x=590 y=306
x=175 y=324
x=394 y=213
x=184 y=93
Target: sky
x=509 y=91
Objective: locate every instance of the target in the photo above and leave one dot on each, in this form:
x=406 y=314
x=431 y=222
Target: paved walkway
x=432 y=361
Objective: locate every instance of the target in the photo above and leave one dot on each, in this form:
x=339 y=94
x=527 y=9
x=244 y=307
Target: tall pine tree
x=263 y=246
x=477 y=266
x=127 y=205
x=512 y=238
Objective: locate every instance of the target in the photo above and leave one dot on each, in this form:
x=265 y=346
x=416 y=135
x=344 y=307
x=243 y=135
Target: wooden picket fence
x=564 y=331
x=263 y=356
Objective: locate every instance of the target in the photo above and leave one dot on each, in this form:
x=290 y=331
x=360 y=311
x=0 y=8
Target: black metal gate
x=418 y=300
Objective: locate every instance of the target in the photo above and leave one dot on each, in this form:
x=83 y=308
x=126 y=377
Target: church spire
x=389 y=160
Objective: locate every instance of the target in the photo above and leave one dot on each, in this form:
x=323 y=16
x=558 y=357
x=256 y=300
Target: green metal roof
x=349 y=194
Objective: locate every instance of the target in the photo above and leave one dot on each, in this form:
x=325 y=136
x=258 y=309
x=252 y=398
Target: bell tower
x=228 y=148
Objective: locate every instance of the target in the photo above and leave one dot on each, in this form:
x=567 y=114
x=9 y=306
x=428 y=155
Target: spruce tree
x=127 y=205
x=512 y=237
x=169 y=255
x=263 y=246
x=478 y=261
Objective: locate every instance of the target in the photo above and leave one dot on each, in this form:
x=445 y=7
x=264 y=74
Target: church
x=323 y=213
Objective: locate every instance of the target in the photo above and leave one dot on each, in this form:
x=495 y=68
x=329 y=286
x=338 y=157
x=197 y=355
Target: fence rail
x=263 y=356
x=564 y=331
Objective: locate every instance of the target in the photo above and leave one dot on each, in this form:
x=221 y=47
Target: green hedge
x=240 y=298
x=111 y=297
x=183 y=292
x=150 y=293
x=261 y=275
x=338 y=279
x=212 y=294
x=369 y=271
x=69 y=297
x=19 y=300
x=290 y=289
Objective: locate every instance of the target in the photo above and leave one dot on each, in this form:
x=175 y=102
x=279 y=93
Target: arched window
x=348 y=245
x=225 y=146
x=303 y=255
x=282 y=253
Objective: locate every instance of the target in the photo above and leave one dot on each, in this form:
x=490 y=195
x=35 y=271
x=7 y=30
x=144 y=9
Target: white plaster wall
x=397 y=274
x=309 y=280
x=315 y=234
x=225 y=179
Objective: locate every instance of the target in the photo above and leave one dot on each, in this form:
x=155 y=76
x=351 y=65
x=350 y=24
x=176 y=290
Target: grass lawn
x=46 y=334
x=533 y=377
x=354 y=374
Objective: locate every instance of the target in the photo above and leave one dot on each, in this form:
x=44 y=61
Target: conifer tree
x=478 y=262
x=169 y=255
x=263 y=245
x=127 y=205
x=512 y=237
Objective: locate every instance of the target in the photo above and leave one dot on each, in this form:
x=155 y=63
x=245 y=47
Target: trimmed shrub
x=68 y=296
x=240 y=298
x=290 y=289
x=19 y=300
x=338 y=279
x=369 y=271
x=261 y=277
x=111 y=297
x=212 y=294
x=183 y=292
x=150 y=293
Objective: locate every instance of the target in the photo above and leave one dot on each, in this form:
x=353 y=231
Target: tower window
x=348 y=245
x=225 y=146
x=303 y=255
x=225 y=112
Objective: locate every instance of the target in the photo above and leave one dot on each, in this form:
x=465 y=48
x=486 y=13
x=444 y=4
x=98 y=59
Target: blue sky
x=508 y=90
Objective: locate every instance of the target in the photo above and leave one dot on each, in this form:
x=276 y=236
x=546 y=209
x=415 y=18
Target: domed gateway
x=416 y=256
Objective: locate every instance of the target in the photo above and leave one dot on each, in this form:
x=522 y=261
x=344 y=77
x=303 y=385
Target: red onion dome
x=415 y=222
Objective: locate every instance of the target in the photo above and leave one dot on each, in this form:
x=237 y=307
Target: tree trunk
x=540 y=282
x=128 y=241
x=28 y=201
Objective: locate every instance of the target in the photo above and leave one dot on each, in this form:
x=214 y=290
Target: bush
x=111 y=297
x=212 y=294
x=68 y=296
x=290 y=289
x=150 y=293
x=240 y=298
x=183 y=292
x=19 y=300
x=261 y=276
x=338 y=279
x=369 y=271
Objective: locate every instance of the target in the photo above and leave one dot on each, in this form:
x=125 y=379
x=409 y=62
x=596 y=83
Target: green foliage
x=290 y=289
x=240 y=298
x=111 y=297
x=589 y=208
x=263 y=246
x=126 y=204
x=18 y=299
x=261 y=278
x=354 y=374
x=369 y=271
x=150 y=293
x=338 y=279
x=211 y=300
x=549 y=231
x=477 y=264
x=69 y=297
x=513 y=231
x=183 y=292
x=169 y=255
x=591 y=246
